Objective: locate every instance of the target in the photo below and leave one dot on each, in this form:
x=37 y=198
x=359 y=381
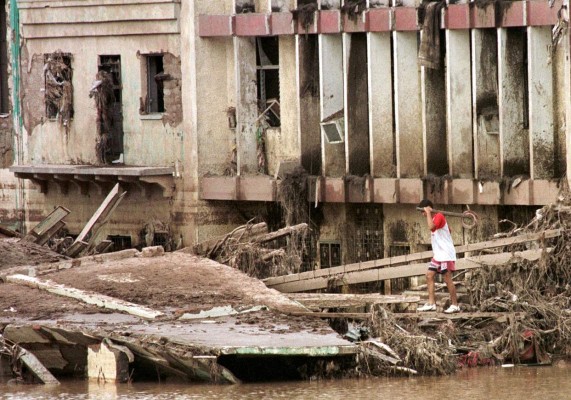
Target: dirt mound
x=15 y=253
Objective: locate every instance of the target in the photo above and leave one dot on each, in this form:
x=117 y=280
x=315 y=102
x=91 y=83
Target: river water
x=525 y=383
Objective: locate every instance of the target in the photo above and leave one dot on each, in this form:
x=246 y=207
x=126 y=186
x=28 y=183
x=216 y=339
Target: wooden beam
x=330 y=315
x=100 y=216
x=38 y=233
x=85 y=296
x=337 y=300
x=381 y=274
x=425 y=255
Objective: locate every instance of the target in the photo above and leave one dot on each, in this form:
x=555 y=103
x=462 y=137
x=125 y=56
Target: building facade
x=210 y=103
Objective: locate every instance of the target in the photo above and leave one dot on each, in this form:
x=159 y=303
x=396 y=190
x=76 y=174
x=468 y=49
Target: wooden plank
x=330 y=315
x=37 y=368
x=403 y=271
x=460 y=315
x=43 y=239
x=85 y=296
x=103 y=246
x=425 y=255
x=9 y=232
x=100 y=217
x=335 y=300
x=37 y=233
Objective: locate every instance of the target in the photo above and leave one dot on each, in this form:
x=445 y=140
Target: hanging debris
x=305 y=14
x=354 y=8
x=102 y=93
x=58 y=87
x=293 y=195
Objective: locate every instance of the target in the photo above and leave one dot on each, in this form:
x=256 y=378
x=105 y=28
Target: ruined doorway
x=112 y=65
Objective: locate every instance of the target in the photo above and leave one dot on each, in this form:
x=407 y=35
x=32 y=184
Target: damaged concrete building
x=202 y=109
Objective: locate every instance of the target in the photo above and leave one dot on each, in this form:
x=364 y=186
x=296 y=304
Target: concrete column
x=408 y=105
x=307 y=50
x=356 y=104
x=458 y=102
x=108 y=362
x=485 y=103
x=247 y=104
x=332 y=100
x=381 y=132
x=514 y=123
x=541 y=111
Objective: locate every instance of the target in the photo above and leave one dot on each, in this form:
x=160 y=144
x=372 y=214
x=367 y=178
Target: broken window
x=268 y=74
x=329 y=254
x=153 y=88
x=58 y=87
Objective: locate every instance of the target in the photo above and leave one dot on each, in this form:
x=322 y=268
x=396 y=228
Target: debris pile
x=518 y=313
x=252 y=249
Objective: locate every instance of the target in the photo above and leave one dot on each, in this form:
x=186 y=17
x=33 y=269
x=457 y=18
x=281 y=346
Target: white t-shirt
x=442 y=244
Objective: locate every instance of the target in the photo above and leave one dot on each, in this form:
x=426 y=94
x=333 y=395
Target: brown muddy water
x=525 y=383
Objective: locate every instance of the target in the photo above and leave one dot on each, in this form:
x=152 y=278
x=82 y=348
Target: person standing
x=443 y=260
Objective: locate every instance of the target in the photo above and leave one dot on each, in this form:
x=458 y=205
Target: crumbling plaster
x=142 y=137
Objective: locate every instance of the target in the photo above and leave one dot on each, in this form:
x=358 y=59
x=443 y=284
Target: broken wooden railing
x=392 y=268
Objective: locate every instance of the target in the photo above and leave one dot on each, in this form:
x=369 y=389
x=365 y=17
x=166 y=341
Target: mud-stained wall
x=357 y=106
x=560 y=100
x=128 y=219
x=310 y=132
x=146 y=141
x=485 y=51
x=6 y=151
x=405 y=225
x=283 y=143
x=172 y=90
x=514 y=118
x=11 y=207
x=434 y=91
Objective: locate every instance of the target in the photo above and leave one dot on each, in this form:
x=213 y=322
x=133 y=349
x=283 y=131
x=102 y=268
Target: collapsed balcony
x=87 y=177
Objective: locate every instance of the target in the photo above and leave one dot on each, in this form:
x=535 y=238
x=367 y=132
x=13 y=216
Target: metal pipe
x=469 y=218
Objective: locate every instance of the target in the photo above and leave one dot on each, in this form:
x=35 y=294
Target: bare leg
x=451 y=287
x=430 y=285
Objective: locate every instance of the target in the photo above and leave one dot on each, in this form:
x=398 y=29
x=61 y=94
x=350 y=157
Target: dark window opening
x=111 y=120
x=161 y=239
x=4 y=95
x=330 y=254
x=155 y=102
x=268 y=75
x=120 y=242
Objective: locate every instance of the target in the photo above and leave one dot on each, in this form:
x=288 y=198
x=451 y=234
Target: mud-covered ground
x=15 y=252
x=174 y=283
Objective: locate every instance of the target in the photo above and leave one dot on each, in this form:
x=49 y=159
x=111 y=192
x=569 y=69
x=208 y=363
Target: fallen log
x=288 y=230
x=244 y=233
